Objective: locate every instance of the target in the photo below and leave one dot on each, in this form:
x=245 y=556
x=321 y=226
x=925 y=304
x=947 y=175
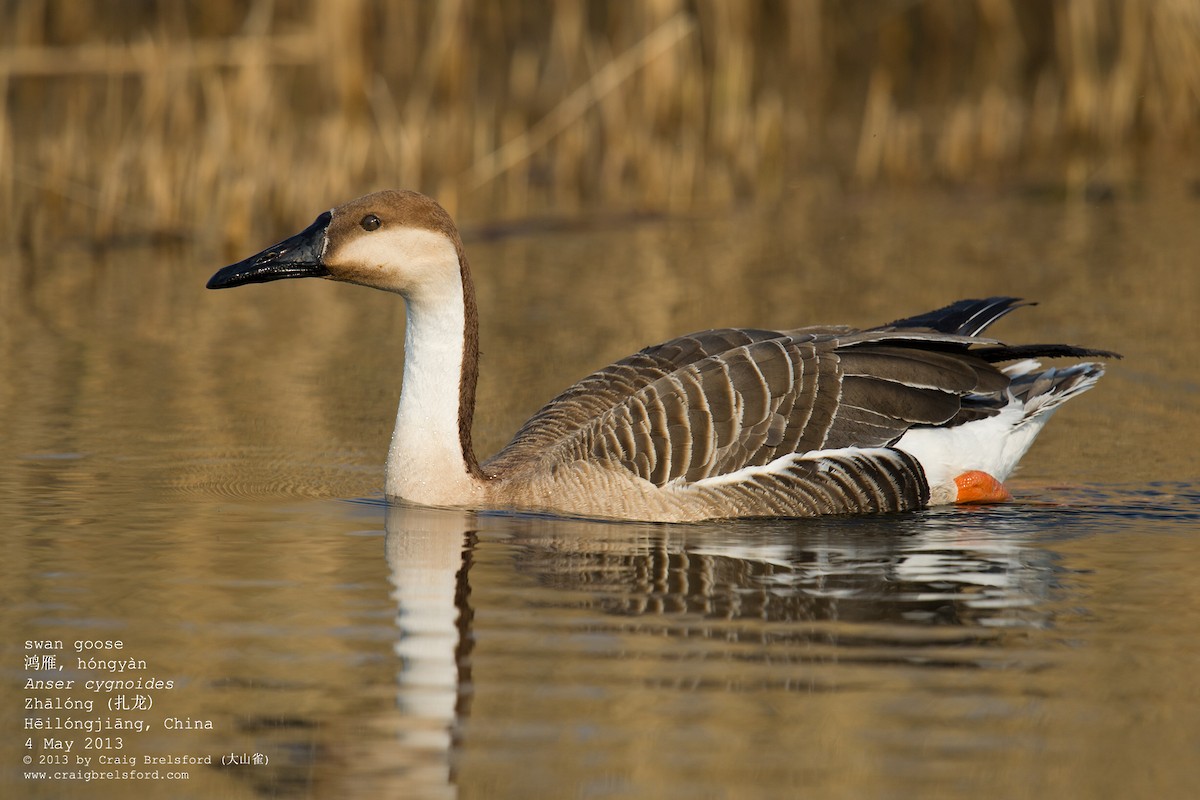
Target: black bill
x=297 y=256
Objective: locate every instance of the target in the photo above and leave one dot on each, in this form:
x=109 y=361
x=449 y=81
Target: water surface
x=197 y=475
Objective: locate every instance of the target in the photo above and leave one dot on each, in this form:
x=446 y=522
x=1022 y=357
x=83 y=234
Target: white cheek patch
x=398 y=259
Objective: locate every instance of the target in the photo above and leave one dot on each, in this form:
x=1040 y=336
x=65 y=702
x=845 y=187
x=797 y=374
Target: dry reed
x=123 y=121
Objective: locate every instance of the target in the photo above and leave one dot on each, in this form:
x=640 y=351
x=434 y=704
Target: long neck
x=431 y=459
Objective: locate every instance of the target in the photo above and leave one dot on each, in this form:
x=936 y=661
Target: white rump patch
x=996 y=444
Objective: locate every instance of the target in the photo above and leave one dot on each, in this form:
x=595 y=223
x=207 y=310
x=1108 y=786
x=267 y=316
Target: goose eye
x=370 y=222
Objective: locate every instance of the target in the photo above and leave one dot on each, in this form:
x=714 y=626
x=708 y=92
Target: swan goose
x=718 y=424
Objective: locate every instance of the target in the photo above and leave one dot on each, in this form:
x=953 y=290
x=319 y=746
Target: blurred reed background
x=129 y=121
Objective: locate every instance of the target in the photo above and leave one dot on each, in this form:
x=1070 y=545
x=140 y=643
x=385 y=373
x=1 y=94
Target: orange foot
x=979 y=487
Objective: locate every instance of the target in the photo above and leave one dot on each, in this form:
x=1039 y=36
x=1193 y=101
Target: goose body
x=725 y=423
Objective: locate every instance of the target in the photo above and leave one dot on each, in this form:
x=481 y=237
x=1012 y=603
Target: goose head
x=398 y=241
x=402 y=242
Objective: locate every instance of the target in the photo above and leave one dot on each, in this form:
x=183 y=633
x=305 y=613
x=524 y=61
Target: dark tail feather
x=963 y=318
x=1004 y=352
x=971 y=317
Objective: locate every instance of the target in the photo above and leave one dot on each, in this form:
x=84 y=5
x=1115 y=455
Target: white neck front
x=426 y=463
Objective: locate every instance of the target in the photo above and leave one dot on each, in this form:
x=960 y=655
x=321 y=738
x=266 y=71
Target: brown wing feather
x=718 y=401
x=606 y=388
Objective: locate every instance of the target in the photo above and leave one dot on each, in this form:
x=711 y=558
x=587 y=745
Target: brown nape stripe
x=470 y=360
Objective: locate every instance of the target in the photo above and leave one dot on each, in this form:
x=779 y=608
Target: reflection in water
x=935 y=589
x=939 y=568
x=429 y=564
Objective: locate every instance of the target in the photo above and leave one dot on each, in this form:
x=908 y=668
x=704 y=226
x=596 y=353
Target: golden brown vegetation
x=196 y=119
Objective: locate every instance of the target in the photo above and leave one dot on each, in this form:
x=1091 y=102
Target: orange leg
x=979 y=487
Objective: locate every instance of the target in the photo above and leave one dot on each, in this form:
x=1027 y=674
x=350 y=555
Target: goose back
x=719 y=401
